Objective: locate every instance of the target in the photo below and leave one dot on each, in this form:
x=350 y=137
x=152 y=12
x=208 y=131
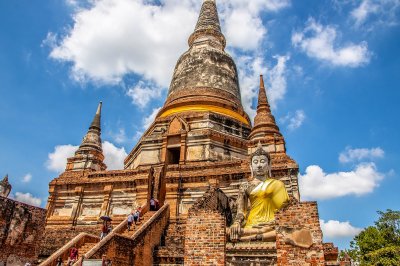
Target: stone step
x=134 y=227
x=171 y=250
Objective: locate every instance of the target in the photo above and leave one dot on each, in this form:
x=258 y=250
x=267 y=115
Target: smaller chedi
x=5 y=187
x=265 y=195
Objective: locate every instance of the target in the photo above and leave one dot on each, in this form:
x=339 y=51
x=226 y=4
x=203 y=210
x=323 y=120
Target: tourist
x=59 y=262
x=106 y=228
x=109 y=227
x=157 y=204
x=107 y=262
x=136 y=216
x=73 y=256
x=152 y=204
x=130 y=220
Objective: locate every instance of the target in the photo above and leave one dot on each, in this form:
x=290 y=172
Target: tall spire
x=264 y=121
x=262 y=97
x=89 y=155
x=97 y=117
x=208 y=27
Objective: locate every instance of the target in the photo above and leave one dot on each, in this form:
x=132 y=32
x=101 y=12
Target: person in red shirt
x=73 y=256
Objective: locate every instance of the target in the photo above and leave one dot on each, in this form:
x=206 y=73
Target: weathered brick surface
x=205 y=236
x=22 y=227
x=55 y=238
x=299 y=216
x=205 y=239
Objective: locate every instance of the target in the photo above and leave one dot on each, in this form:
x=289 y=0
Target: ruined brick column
x=296 y=217
x=205 y=236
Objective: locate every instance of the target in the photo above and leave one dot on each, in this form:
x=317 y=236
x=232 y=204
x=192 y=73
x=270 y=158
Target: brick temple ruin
x=193 y=159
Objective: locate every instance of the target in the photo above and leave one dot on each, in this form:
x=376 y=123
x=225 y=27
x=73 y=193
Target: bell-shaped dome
x=205 y=77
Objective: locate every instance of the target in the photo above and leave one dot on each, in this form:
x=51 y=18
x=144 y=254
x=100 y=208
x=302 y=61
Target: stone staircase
x=171 y=250
x=134 y=227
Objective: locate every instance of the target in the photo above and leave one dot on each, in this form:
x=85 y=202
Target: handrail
x=65 y=248
x=148 y=222
x=118 y=229
x=99 y=245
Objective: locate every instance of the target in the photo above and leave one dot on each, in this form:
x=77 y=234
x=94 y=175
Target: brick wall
x=205 y=239
x=22 y=227
x=55 y=238
x=299 y=216
x=205 y=236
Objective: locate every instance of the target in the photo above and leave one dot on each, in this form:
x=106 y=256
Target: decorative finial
x=98 y=112
x=97 y=117
x=261 y=81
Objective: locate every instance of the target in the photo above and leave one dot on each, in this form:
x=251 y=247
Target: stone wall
x=205 y=236
x=22 y=227
x=294 y=218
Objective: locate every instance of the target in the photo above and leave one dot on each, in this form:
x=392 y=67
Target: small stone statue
x=5 y=187
x=266 y=196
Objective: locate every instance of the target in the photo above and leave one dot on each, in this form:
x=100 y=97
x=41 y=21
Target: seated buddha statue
x=255 y=222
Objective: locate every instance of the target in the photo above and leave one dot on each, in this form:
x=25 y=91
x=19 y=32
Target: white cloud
x=147 y=121
x=57 y=160
x=27 y=178
x=294 y=121
x=383 y=12
x=143 y=93
x=337 y=229
x=28 y=198
x=276 y=79
x=243 y=29
x=250 y=68
x=113 y=156
x=316 y=184
x=112 y=38
x=120 y=136
x=352 y=155
x=319 y=42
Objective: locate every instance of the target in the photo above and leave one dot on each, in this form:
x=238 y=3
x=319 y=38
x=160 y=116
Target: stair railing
x=63 y=252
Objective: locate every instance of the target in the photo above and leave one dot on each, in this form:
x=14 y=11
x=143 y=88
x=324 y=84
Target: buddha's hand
x=235 y=231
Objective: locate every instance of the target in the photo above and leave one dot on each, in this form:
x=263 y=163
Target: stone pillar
x=182 y=158
x=105 y=207
x=50 y=201
x=77 y=204
x=164 y=149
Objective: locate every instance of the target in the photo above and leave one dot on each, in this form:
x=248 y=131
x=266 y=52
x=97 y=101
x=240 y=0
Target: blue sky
x=332 y=68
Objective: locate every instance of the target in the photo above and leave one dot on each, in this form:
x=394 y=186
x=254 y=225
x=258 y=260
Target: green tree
x=378 y=245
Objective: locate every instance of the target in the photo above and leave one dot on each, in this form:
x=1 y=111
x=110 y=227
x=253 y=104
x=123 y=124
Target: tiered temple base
x=250 y=254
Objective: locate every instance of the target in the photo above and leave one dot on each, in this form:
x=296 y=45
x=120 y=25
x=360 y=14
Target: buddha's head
x=261 y=164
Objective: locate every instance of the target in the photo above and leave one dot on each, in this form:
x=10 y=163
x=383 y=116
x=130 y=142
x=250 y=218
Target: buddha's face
x=260 y=166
